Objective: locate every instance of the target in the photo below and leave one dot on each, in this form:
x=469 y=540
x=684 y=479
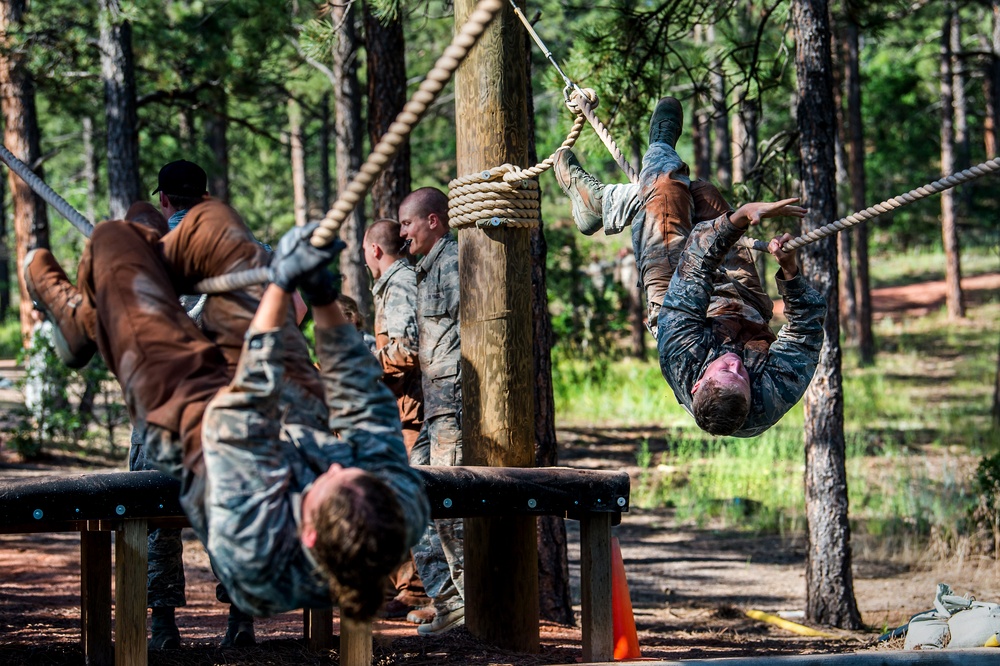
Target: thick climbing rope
x=45 y=192
x=386 y=148
x=917 y=194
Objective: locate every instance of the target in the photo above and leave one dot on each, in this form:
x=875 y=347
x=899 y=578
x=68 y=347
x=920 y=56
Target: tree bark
x=845 y=268
x=90 y=167
x=949 y=227
x=386 y=51
x=721 y=149
x=118 y=73
x=21 y=137
x=856 y=144
x=701 y=133
x=216 y=126
x=501 y=571
x=829 y=580
x=991 y=82
x=347 y=103
x=5 y=285
x=325 y=192
x=298 y=157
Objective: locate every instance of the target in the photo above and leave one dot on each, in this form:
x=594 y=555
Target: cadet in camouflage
x=423 y=217
x=707 y=307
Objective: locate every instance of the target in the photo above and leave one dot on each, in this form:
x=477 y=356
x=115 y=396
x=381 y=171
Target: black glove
x=295 y=258
x=320 y=287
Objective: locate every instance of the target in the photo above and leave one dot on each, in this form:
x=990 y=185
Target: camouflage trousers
x=439 y=555
x=662 y=209
x=165 y=578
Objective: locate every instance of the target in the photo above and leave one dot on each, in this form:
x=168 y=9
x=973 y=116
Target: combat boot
x=53 y=294
x=239 y=632
x=165 y=636
x=666 y=122
x=583 y=190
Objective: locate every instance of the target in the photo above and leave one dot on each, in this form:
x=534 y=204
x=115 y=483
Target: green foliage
x=10 y=337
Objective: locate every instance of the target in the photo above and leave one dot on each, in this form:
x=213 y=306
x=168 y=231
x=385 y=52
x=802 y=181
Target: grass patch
x=916 y=426
x=10 y=337
x=925 y=264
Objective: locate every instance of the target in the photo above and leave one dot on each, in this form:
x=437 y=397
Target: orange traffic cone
x=626 y=640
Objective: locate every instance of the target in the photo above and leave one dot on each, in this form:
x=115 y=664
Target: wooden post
x=318 y=628
x=131 y=563
x=501 y=565
x=355 y=643
x=595 y=587
x=95 y=597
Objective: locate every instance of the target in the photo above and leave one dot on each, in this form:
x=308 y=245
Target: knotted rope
x=384 y=150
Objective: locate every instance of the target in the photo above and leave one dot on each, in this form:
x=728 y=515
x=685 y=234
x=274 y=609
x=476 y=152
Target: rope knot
x=572 y=99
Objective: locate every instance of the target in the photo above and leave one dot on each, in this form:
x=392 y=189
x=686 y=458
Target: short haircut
x=719 y=409
x=428 y=200
x=360 y=540
x=385 y=234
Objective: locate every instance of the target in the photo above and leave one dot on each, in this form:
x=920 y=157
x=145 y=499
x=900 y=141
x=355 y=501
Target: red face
x=727 y=370
x=421 y=230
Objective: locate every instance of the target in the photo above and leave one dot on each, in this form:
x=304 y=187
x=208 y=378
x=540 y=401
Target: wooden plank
x=95 y=598
x=130 y=593
x=317 y=628
x=970 y=657
x=355 y=643
x=595 y=587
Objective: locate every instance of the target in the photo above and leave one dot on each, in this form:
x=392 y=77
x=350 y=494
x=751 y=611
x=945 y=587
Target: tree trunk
x=118 y=73
x=5 y=285
x=829 y=580
x=996 y=393
x=856 y=144
x=386 y=96
x=216 y=125
x=298 y=156
x=959 y=98
x=991 y=83
x=949 y=227
x=555 y=602
x=721 y=149
x=501 y=571
x=21 y=136
x=347 y=102
x=845 y=268
x=701 y=134
x=89 y=174
x=325 y=191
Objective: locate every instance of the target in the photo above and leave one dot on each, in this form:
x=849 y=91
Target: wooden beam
x=130 y=593
x=497 y=380
x=595 y=587
x=95 y=598
x=973 y=657
x=317 y=625
x=355 y=643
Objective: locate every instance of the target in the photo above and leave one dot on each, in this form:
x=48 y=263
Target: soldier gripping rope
x=707 y=308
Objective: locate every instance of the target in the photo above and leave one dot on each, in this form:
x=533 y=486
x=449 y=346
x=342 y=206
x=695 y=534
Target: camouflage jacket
x=397 y=336
x=260 y=463
x=697 y=326
x=438 y=319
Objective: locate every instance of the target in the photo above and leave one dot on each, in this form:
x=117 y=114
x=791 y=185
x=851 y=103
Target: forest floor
x=690 y=585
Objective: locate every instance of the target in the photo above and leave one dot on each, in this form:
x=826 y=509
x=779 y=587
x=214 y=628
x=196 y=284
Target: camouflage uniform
x=700 y=322
x=440 y=367
x=396 y=336
x=261 y=464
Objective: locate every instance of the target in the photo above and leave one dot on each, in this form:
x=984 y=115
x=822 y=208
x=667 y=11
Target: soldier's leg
x=446 y=449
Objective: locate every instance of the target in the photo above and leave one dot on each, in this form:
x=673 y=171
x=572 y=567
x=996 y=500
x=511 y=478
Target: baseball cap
x=183 y=179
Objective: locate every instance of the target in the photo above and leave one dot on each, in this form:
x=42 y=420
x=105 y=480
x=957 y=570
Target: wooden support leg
x=130 y=593
x=355 y=643
x=595 y=587
x=95 y=597
x=318 y=628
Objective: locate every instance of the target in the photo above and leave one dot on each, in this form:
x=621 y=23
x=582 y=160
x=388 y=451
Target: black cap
x=182 y=179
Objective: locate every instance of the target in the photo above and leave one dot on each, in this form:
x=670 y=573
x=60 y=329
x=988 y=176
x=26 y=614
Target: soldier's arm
x=399 y=355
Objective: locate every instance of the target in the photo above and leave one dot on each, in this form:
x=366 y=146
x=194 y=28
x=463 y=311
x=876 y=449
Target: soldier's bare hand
x=753 y=213
x=787 y=260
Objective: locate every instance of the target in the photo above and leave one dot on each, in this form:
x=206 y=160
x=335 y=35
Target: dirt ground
x=689 y=586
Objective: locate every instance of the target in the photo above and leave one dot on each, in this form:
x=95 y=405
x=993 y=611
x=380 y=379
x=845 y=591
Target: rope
x=46 y=192
x=386 y=148
x=917 y=194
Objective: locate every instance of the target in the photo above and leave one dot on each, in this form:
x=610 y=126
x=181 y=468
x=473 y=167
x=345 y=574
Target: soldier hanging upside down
x=706 y=306
x=291 y=514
